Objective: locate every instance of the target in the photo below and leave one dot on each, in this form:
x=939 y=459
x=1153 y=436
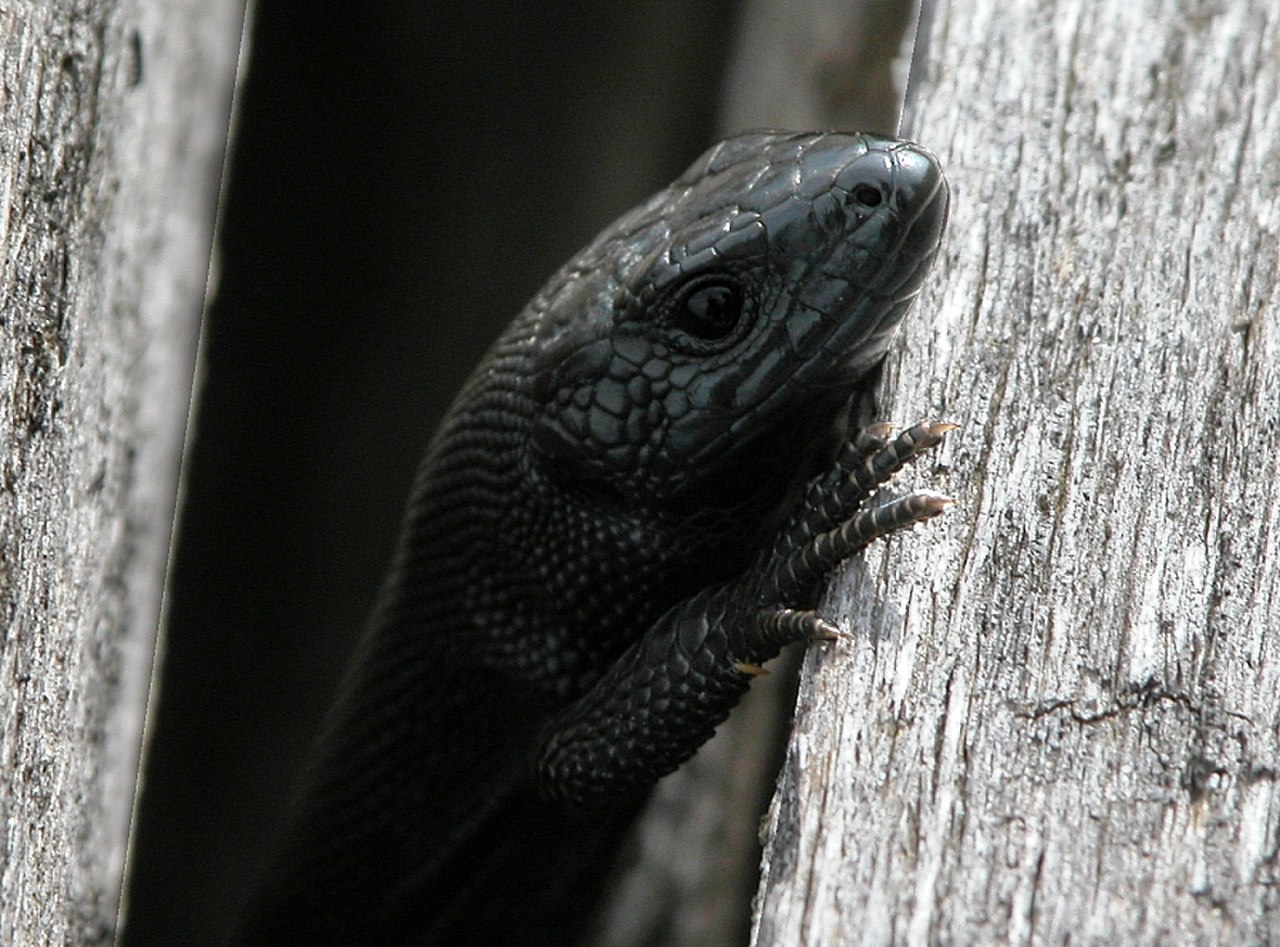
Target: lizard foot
x=832 y=522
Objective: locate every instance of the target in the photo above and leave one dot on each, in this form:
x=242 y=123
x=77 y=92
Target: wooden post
x=113 y=120
x=1056 y=718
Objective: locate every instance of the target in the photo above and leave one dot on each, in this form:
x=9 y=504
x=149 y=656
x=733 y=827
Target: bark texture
x=1056 y=718
x=113 y=118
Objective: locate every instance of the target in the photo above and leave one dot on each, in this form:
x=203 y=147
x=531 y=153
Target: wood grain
x=113 y=120
x=1056 y=720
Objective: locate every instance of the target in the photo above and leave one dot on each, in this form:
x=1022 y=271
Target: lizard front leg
x=666 y=694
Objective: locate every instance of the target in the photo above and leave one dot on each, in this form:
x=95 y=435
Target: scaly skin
x=609 y=534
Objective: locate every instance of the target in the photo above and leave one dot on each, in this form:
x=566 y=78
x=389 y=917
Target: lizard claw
x=795 y=624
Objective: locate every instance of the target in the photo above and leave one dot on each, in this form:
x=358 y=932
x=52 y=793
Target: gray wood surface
x=1055 y=720
x=113 y=121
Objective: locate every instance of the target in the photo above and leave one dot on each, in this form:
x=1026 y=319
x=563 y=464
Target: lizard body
x=609 y=533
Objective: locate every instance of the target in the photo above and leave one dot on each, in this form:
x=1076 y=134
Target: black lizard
x=608 y=535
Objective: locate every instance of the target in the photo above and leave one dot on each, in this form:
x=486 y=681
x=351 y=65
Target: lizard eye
x=867 y=195
x=709 y=311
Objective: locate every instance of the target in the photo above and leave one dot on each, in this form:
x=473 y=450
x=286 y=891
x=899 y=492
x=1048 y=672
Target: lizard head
x=744 y=302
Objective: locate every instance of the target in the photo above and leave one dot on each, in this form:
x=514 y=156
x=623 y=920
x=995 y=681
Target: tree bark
x=1055 y=719
x=113 y=120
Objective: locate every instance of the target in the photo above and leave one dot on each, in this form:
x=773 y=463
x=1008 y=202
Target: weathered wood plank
x=1056 y=720
x=113 y=119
